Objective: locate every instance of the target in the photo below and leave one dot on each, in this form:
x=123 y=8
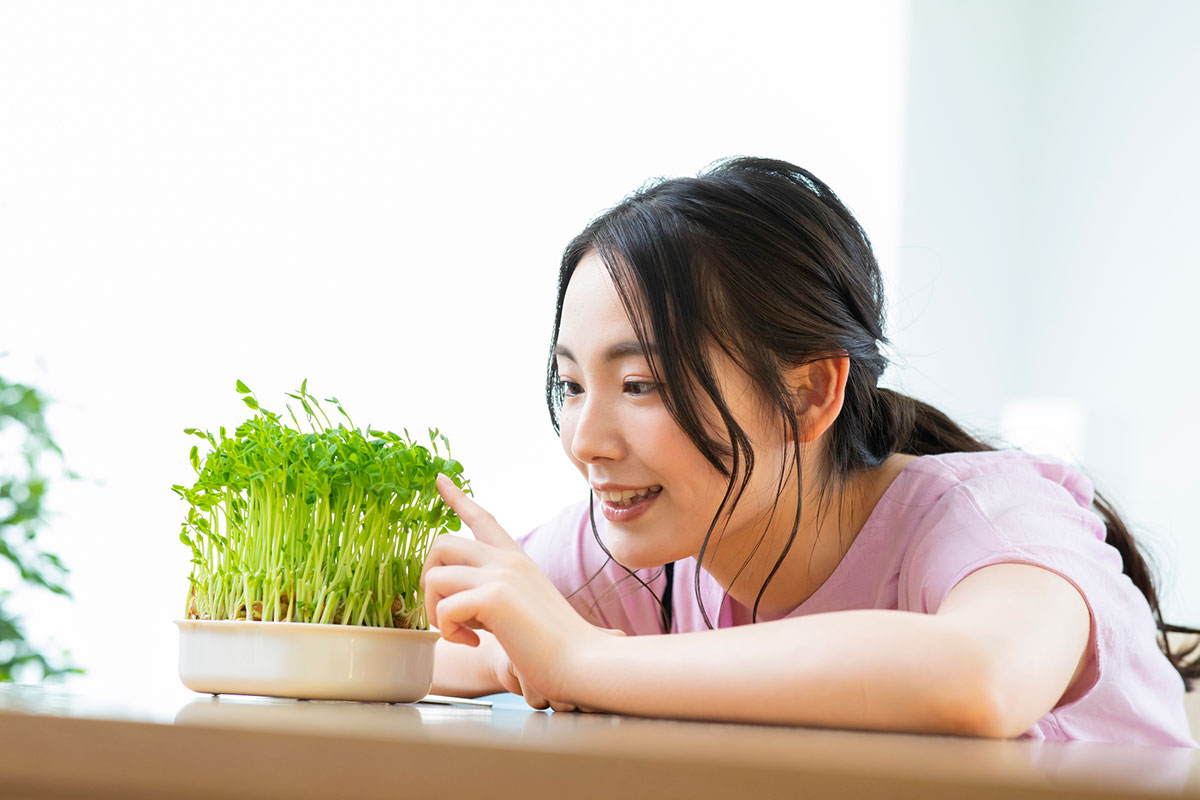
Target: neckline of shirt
x=899 y=484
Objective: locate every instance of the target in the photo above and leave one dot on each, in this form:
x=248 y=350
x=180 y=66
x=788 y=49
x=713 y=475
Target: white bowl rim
x=309 y=627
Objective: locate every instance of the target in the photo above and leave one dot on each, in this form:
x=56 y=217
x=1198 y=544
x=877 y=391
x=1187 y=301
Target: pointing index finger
x=473 y=515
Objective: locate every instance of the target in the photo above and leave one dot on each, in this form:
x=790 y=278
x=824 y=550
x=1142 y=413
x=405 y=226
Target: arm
x=998 y=655
x=1006 y=642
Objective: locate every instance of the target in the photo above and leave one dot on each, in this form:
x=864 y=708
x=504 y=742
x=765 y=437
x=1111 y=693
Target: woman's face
x=657 y=491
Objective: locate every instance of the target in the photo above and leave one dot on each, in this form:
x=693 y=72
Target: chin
x=639 y=557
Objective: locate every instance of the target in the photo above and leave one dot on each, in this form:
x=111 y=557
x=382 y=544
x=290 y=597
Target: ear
x=820 y=389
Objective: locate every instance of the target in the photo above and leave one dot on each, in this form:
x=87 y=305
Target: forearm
x=869 y=669
x=463 y=671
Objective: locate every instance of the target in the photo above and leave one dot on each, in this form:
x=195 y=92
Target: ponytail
x=920 y=429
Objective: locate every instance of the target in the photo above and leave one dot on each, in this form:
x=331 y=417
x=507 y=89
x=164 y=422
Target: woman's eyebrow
x=614 y=352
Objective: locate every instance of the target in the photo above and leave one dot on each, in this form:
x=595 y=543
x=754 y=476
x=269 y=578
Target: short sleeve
x=1019 y=518
x=993 y=519
x=601 y=590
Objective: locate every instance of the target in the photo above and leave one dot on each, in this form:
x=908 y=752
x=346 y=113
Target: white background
x=1049 y=263
x=374 y=196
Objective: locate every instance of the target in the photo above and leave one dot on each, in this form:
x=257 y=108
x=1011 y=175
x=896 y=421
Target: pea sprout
x=331 y=525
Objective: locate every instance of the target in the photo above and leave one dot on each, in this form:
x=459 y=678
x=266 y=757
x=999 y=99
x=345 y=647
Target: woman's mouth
x=629 y=504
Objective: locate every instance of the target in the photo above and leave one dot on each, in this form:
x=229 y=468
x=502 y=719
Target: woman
x=820 y=550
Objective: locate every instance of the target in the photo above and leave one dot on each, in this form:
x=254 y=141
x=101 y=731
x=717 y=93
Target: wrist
x=584 y=664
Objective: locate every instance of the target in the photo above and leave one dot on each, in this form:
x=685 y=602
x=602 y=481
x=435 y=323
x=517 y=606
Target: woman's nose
x=596 y=437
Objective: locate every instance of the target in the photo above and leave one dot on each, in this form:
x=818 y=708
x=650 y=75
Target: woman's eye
x=570 y=388
x=638 y=388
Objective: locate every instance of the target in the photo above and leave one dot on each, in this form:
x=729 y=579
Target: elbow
x=979 y=705
x=980 y=713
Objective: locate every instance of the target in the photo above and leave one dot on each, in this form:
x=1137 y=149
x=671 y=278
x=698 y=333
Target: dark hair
x=760 y=258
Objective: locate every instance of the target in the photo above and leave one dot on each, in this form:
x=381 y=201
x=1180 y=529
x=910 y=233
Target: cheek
x=670 y=449
x=695 y=487
x=699 y=488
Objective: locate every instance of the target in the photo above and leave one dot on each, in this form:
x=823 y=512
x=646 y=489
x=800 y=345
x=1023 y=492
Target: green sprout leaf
x=328 y=525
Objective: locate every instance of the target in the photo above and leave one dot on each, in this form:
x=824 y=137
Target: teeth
x=628 y=496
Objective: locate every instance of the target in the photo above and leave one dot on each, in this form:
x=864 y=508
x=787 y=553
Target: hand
x=507 y=676
x=489 y=583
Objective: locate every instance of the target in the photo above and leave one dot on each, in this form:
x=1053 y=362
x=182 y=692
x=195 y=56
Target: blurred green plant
x=22 y=516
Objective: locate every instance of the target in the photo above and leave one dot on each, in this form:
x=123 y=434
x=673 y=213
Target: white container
x=306 y=660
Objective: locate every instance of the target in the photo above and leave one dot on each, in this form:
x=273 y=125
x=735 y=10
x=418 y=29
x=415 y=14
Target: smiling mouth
x=629 y=496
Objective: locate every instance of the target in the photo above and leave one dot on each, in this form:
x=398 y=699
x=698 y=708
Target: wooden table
x=59 y=743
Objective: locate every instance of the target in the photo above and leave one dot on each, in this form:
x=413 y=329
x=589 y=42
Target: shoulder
x=979 y=489
x=568 y=549
x=968 y=510
x=1004 y=473
x=560 y=545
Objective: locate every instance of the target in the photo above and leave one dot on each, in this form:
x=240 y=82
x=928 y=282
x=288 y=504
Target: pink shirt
x=944 y=517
